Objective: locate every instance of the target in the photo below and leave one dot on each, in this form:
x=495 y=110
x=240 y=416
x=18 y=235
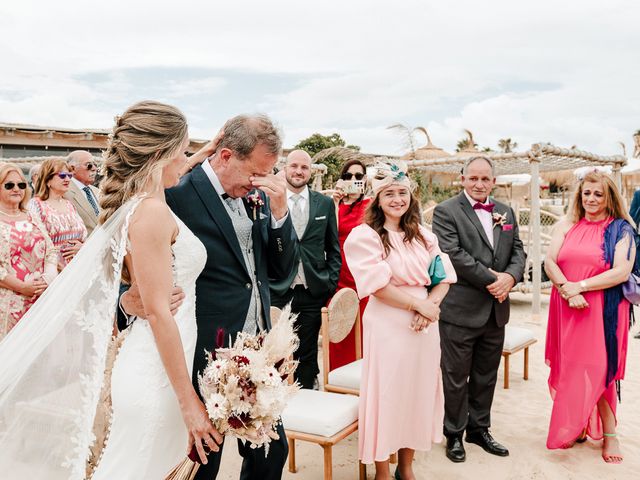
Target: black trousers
x=255 y=466
x=470 y=361
x=308 y=328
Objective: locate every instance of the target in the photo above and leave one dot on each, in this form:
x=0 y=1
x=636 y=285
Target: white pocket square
x=321 y=218
x=262 y=216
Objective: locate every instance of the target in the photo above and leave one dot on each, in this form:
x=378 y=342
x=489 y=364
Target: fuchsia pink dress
x=401 y=396
x=575 y=347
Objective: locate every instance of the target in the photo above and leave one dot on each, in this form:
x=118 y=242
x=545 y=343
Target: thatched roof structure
x=427 y=151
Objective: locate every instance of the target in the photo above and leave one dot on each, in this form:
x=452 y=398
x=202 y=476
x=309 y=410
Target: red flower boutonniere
x=499 y=219
x=256 y=203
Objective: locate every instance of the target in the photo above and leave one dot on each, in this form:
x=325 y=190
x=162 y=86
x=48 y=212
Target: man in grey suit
x=315 y=277
x=82 y=193
x=480 y=236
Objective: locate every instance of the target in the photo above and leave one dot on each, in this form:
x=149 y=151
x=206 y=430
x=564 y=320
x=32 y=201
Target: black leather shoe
x=455 y=449
x=486 y=441
x=397 y=475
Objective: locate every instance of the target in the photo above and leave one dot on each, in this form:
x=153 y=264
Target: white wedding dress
x=148 y=436
x=53 y=363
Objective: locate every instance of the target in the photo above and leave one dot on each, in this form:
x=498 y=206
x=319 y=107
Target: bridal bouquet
x=246 y=387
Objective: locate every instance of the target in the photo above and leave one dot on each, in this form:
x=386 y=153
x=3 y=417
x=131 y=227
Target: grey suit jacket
x=83 y=207
x=461 y=236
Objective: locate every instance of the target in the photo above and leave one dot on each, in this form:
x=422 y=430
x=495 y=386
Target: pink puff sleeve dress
x=401 y=396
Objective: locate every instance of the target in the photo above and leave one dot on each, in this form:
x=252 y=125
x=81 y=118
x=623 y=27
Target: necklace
x=11 y=214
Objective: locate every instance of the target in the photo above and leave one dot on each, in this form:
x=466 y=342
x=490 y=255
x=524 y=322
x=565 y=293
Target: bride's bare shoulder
x=152 y=214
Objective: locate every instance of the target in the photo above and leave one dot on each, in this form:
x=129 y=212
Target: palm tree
x=507 y=145
x=409 y=135
x=467 y=144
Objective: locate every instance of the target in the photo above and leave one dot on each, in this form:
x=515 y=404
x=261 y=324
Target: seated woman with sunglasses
x=59 y=216
x=28 y=258
x=351 y=207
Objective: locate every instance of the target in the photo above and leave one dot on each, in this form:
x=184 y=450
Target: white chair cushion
x=320 y=413
x=347 y=376
x=516 y=337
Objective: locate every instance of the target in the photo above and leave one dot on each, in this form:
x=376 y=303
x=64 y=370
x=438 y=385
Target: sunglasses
x=349 y=176
x=89 y=166
x=11 y=185
x=64 y=175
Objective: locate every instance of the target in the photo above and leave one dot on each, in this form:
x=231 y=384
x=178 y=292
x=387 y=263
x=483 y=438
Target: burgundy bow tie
x=484 y=206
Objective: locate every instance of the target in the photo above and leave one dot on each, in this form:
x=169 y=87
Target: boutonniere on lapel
x=256 y=203
x=499 y=219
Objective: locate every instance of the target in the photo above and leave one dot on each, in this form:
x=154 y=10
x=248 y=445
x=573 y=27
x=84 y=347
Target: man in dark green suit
x=310 y=285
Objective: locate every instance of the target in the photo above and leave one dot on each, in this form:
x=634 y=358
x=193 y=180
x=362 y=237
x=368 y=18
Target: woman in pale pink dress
x=591 y=254
x=59 y=216
x=27 y=256
x=401 y=397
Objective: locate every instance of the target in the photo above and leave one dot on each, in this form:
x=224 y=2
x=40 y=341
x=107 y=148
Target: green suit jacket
x=318 y=249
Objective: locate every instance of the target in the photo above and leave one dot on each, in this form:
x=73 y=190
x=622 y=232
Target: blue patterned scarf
x=615 y=232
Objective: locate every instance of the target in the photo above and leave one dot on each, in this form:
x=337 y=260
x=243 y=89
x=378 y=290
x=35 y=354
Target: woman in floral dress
x=27 y=256
x=65 y=227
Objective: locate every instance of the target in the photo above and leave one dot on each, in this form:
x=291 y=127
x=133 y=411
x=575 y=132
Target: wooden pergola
x=541 y=157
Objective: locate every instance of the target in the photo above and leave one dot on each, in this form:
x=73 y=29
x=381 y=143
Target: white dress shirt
x=215 y=181
x=304 y=199
x=486 y=219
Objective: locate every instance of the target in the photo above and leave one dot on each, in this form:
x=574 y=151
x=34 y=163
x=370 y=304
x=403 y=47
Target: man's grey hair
x=468 y=162
x=35 y=170
x=73 y=160
x=244 y=132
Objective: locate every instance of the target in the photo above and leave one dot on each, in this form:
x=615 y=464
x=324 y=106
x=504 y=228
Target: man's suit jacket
x=82 y=205
x=223 y=289
x=461 y=236
x=318 y=249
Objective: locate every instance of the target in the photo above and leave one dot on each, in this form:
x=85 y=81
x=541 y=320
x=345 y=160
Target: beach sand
x=520 y=417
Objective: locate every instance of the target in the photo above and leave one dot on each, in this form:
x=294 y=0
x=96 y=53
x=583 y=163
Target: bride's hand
x=201 y=430
x=211 y=146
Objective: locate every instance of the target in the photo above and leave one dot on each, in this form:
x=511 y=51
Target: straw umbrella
x=427 y=152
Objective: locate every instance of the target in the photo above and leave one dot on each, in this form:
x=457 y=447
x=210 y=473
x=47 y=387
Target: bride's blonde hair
x=144 y=139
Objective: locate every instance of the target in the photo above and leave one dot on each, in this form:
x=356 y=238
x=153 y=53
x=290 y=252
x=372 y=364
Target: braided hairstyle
x=144 y=140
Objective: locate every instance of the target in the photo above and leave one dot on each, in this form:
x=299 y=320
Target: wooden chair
x=323 y=418
x=516 y=339
x=341 y=315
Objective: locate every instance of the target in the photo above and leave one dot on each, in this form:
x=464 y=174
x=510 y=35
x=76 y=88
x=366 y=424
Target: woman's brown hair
x=614 y=203
x=144 y=139
x=48 y=169
x=409 y=222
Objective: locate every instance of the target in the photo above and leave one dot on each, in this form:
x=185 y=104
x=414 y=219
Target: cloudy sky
x=562 y=72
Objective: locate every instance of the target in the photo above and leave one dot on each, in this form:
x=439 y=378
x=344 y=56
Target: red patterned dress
x=62 y=227
x=26 y=252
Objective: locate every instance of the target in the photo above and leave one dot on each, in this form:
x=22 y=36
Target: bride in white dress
x=55 y=360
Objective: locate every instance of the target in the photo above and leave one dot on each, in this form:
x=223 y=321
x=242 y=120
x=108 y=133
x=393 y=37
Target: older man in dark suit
x=480 y=236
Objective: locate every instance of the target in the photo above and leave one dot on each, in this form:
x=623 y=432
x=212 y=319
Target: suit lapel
x=313 y=208
x=469 y=212
x=217 y=211
x=81 y=201
x=497 y=229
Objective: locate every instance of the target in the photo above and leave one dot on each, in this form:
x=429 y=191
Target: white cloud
x=562 y=72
